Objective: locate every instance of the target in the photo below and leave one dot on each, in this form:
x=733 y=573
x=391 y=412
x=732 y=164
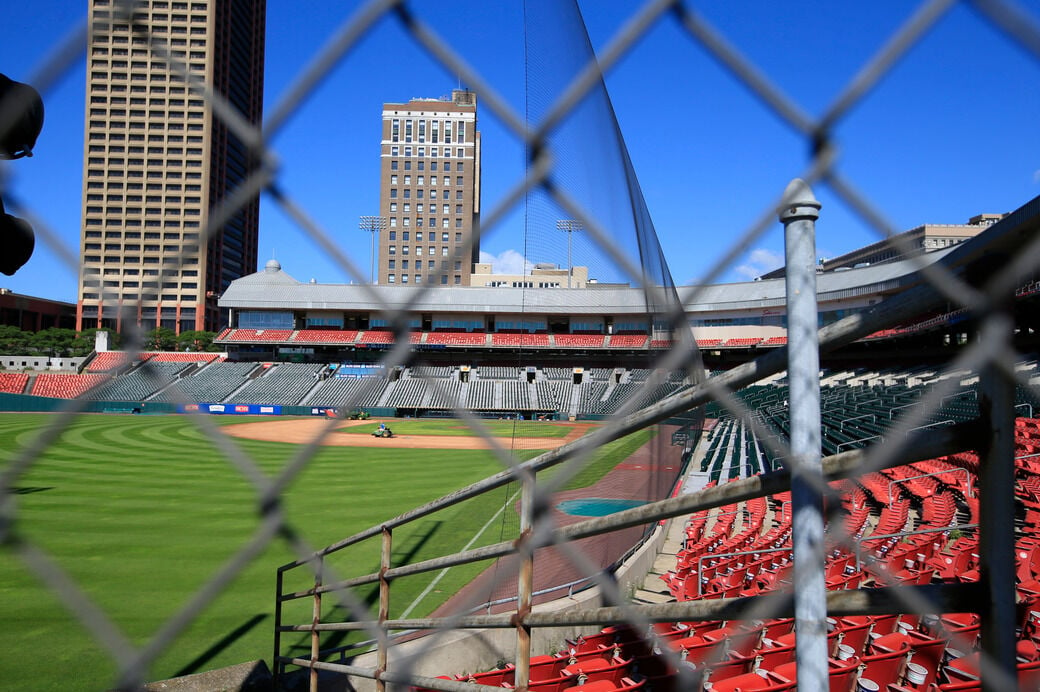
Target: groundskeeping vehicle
x=382 y=431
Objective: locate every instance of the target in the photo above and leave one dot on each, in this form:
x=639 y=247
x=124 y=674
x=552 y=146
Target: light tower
x=372 y=224
x=569 y=226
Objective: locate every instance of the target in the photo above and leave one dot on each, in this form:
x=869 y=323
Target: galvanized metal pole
x=799 y=215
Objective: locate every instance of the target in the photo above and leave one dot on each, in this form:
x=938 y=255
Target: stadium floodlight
x=569 y=226
x=372 y=224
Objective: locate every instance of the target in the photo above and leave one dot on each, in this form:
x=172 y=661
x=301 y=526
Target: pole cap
x=798 y=202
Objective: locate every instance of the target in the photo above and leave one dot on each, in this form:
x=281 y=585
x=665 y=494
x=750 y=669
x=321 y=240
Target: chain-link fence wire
x=547 y=180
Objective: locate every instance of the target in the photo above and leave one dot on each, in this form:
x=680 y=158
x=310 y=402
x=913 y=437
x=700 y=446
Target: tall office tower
x=158 y=161
x=430 y=191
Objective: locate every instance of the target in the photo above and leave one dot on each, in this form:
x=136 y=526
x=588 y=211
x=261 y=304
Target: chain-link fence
x=980 y=279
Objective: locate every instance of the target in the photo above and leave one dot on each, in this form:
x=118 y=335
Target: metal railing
x=965 y=280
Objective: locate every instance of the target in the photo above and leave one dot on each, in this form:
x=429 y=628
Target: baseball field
x=142 y=511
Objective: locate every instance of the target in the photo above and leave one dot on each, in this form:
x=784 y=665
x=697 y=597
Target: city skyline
x=933 y=143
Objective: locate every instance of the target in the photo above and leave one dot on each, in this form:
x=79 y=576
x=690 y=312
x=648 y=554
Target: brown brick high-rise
x=158 y=161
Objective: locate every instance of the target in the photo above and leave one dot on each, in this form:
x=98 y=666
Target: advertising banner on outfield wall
x=232 y=409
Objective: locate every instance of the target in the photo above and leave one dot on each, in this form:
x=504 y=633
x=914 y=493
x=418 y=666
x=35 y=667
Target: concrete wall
x=40 y=363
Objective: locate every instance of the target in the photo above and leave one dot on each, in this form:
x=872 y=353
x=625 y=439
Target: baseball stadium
x=588 y=477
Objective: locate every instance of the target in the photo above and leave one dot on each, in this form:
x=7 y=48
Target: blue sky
x=951 y=131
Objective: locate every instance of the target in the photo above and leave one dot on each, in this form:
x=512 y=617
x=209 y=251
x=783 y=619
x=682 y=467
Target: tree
x=53 y=341
x=13 y=341
x=195 y=340
x=161 y=339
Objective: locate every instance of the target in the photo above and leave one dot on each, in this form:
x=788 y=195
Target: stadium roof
x=274 y=289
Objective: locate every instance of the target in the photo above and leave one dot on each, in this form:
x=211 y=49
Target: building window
x=393 y=165
x=444 y=252
x=390 y=279
x=393 y=223
x=404 y=278
x=433 y=250
x=404 y=236
x=392 y=250
x=392 y=264
x=393 y=234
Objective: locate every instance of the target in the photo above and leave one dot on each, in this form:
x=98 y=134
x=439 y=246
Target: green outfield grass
x=142 y=510
x=455 y=428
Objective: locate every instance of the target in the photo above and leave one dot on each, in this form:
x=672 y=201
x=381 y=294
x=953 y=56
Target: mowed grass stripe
x=143 y=510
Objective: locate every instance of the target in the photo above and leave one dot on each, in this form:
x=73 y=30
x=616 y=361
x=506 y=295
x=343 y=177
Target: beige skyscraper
x=430 y=191
x=157 y=160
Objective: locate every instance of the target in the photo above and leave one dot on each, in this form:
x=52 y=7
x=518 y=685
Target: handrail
x=841 y=426
x=948 y=421
x=892 y=411
x=862 y=439
x=967 y=480
x=902 y=534
x=720 y=556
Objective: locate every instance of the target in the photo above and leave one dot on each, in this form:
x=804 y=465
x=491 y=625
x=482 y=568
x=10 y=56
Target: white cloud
x=507 y=262
x=1036 y=176
x=759 y=262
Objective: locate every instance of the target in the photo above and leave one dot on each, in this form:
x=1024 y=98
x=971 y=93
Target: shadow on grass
x=221 y=644
x=369 y=594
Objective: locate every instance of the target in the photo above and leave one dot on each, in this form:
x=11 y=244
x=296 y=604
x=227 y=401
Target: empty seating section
x=446 y=393
x=522 y=340
x=376 y=336
x=709 y=343
x=775 y=341
x=211 y=384
x=407 y=393
x=64 y=385
x=481 y=395
x=183 y=357
x=107 y=361
x=457 y=338
x=743 y=343
x=325 y=336
x=138 y=384
x=257 y=335
x=579 y=340
x=553 y=395
x=627 y=341
x=589 y=395
x=283 y=383
x=516 y=396
x=428 y=371
x=558 y=373
x=498 y=372
x=348 y=391
x=13 y=382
